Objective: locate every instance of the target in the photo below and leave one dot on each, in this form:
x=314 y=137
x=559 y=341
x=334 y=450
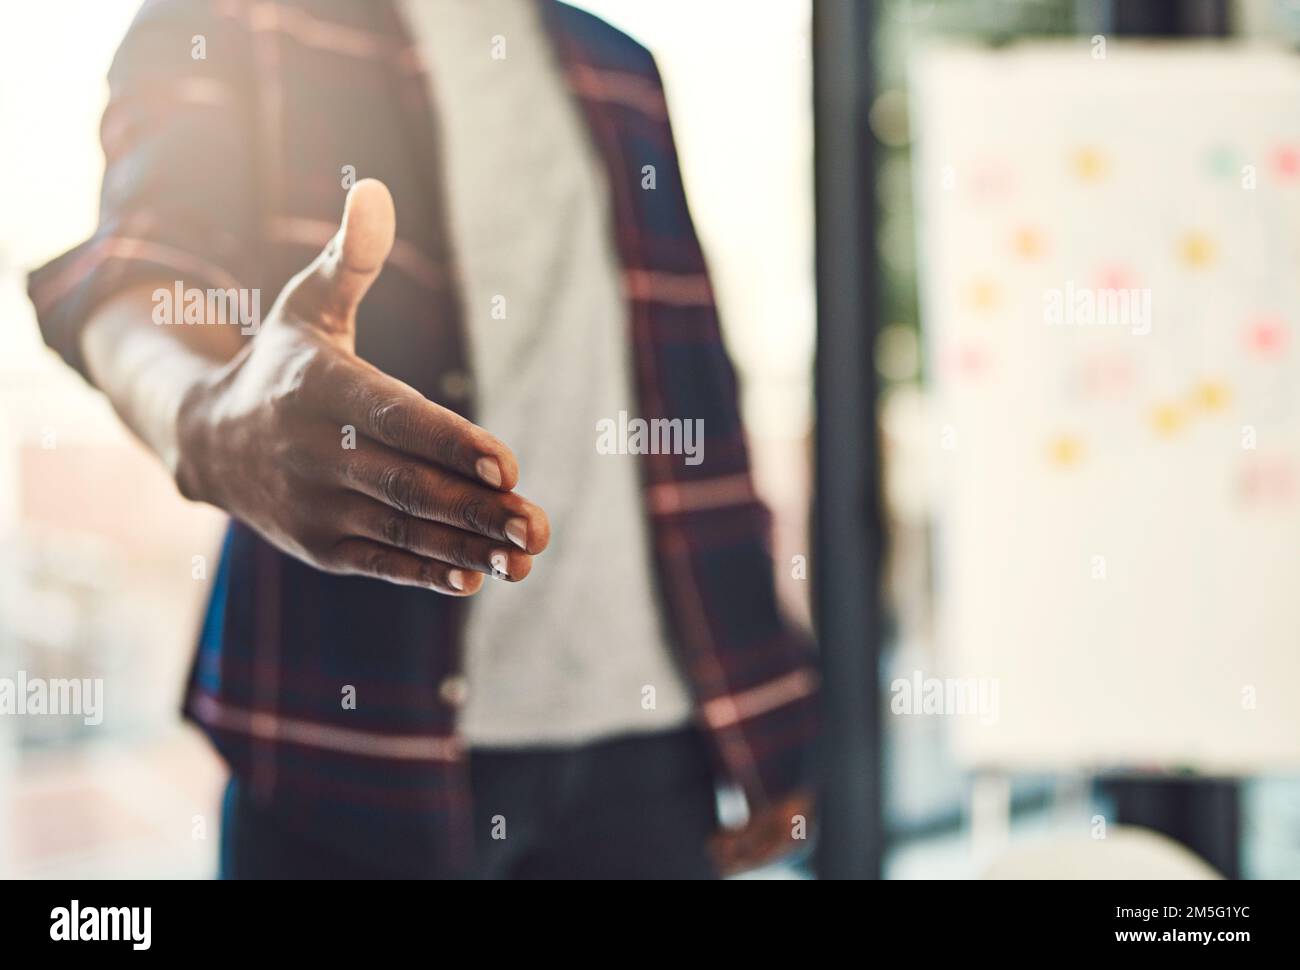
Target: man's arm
x=147 y=370
x=327 y=457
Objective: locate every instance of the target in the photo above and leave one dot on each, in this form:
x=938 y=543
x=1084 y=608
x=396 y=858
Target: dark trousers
x=636 y=807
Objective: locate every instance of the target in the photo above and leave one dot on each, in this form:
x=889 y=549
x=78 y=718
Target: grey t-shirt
x=577 y=651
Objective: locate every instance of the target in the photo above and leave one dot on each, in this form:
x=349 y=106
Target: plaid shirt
x=226 y=170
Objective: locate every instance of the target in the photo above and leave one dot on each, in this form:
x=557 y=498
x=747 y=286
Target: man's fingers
x=428 y=492
x=389 y=411
x=327 y=294
x=372 y=520
x=362 y=557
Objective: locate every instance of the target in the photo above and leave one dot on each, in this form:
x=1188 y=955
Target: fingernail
x=457 y=580
x=517 y=532
x=489 y=471
x=499 y=561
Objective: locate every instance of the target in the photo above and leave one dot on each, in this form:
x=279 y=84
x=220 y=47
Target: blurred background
x=104 y=569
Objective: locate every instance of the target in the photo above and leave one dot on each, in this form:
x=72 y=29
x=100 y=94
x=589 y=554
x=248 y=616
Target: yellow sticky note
x=1065 y=450
x=983 y=295
x=1211 y=395
x=1167 y=419
x=1089 y=164
x=1197 y=250
x=1028 y=243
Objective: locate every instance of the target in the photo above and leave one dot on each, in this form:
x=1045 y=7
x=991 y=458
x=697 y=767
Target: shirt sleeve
x=178 y=201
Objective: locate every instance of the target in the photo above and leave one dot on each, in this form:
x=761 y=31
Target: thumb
x=329 y=293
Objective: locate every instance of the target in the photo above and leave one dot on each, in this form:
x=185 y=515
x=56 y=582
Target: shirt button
x=456 y=385
x=454 y=691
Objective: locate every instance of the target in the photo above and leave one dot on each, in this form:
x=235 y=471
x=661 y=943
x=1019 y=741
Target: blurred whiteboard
x=1119 y=510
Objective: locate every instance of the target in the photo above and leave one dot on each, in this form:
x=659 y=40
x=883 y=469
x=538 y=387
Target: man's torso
x=578 y=651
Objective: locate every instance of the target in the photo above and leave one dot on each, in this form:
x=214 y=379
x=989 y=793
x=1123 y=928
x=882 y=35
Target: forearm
x=147 y=370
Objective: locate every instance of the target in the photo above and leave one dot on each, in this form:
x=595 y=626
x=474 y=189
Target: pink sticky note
x=1267 y=334
x=991 y=181
x=1286 y=161
x=967 y=360
x=1107 y=375
x=1116 y=276
x=1268 y=481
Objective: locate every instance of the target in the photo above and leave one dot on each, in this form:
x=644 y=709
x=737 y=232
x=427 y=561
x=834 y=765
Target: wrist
x=190 y=456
